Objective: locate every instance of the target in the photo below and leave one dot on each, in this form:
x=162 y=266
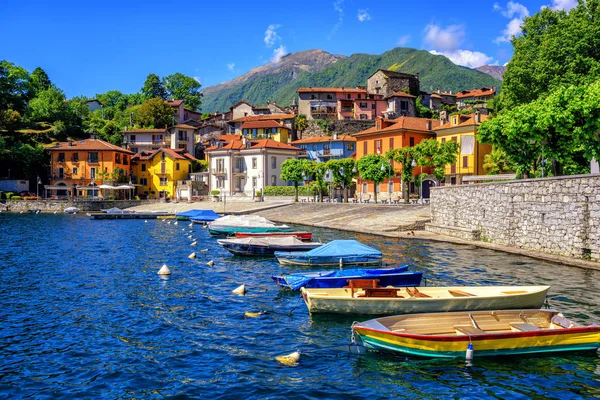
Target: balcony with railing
x=325 y=153
x=219 y=171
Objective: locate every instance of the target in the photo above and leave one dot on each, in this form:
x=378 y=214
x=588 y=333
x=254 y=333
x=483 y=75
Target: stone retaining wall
x=553 y=215
x=60 y=205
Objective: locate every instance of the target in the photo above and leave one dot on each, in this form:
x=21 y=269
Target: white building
x=243 y=167
x=180 y=136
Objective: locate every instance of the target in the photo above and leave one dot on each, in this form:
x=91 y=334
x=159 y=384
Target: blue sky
x=91 y=47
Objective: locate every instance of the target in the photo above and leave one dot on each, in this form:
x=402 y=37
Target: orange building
x=78 y=168
x=387 y=135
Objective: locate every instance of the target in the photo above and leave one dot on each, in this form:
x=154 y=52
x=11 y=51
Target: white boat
x=265 y=246
x=231 y=224
x=71 y=210
x=369 y=299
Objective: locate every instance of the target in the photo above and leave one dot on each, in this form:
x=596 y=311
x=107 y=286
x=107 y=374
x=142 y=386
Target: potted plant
x=215 y=194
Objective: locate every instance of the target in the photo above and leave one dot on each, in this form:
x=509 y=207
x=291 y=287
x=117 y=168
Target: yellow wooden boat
x=388 y=301
x=477 y=333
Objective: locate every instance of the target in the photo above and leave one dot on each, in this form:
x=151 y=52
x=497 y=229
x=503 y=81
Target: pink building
x=340 y=103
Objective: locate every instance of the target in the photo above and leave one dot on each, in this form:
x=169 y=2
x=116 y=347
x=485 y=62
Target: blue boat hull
x=396 y=277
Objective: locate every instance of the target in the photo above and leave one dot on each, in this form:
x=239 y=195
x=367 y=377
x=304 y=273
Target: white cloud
x=466 y=58
x=337 y=6
x=230 y=66
x=403 y=40
x=278 y=53
x=363 y=15
x=563 y=4
x=271 y=36
x=517 y=12
x=444 y=39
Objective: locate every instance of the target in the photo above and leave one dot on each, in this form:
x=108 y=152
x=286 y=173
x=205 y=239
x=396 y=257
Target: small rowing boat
x=371 y=299
x=336 y=253
x=340 y=278
x=230 y=224
x=265 y=246
x=299 y=235
x=478 y=333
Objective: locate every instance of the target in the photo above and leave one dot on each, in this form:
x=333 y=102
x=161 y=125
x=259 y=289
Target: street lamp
x=37 y=188
x=93 y=183
x=388 y=167
x=343 y=182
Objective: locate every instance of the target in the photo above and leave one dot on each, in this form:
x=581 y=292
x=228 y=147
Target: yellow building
x=269 y=129
x=157 y=172
x=462 y=129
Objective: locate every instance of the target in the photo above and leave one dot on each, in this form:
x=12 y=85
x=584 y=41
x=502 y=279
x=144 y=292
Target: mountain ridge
x=279 y=82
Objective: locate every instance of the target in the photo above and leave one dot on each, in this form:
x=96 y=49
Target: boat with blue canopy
x=335 y=253
x=399 y=276
x=197 y=216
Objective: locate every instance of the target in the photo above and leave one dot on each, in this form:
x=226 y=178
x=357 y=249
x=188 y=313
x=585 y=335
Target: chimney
x=244 y=141
x=69 y=143
x=335 y=136
x=428 y=124
x=477 y=117
x=439 y=91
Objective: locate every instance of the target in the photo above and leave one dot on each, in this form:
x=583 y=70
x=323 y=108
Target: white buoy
x=169 y=222
x=469 y=352
x=290 y=359
x=189 y=236
x=194 y=243
x=203 y=251
x=203 y=226
x=146 y=220
x=241 y=290
x=176 y=223
x=191 y=224
x=183 y=229
x=164 y=270
x=21 y=212
x=55 y=212
x=211 y=263
x=193 y=255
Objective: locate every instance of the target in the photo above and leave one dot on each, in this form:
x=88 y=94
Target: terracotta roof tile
x=89 y=144
x=403 y=123
x=261 y=124
x=255 y=144
x=184 y=126
x=265 y=117
x=484 y=91
x=174 y=103
x=319 y=139
x=465 y=120
x=401 y=94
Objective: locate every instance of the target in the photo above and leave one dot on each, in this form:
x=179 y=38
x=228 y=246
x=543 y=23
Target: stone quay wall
x=553 y=215
x=60 y=205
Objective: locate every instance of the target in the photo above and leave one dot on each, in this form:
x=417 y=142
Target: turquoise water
x=84 y=315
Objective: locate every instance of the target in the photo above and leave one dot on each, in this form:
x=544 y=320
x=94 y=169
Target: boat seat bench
x=524 y=326
x=468 y=330
x=460 y=293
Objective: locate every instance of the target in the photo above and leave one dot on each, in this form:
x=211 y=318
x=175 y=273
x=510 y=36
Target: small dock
x=128 y=215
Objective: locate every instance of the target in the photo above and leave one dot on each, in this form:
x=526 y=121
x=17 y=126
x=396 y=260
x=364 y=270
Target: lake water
x=84 y=315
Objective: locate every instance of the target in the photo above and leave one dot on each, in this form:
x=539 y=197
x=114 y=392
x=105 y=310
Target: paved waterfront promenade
x=402 y=221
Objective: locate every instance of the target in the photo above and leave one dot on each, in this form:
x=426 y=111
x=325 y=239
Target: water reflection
x=83 y=309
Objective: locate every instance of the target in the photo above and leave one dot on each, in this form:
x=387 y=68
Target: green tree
x=343 y=172
x=15 y=87
x=495 y=163
x=153 y=87
x=113 y=99
x=556 y=49
x=300 y=123
x=182 y=87
x=422 y=111
x=561 y=127
x=111 y=133
x=292 y=169
x=370 y=169
x=49 y=106
x=404 y=156
x=154 y=113
x=40 y=80
x=10 y=120
x=317 y=172
x=431 y=153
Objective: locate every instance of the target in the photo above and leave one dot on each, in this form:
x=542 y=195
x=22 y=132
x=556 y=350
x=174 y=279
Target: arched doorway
x=427 y=184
